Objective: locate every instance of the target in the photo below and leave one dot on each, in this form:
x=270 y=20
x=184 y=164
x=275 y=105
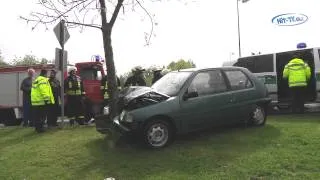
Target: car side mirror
x=189 y=95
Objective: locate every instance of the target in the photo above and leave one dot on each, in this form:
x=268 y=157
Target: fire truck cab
x=11 y=96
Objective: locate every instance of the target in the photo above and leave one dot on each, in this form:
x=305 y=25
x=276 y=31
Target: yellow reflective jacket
x=73 y=86
x=104 y=87
x=297 y=72
x=41 y=92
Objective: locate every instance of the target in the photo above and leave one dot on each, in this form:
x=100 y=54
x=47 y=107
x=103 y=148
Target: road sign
x=61 y=60
x=62 y=35
x=61 y=32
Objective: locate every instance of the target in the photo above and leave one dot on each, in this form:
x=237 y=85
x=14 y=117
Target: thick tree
x=84 y=13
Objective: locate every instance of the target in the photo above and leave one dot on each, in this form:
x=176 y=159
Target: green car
x=190 y=100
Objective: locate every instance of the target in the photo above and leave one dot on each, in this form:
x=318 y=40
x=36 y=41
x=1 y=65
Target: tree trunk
x=111 y=78
x=108 y=51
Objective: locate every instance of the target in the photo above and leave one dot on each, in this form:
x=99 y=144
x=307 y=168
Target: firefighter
x=137 y=78
x=298 y=74
x=156 y=74
x=41 y=98
x=75 y=97
x=25 y=87
x=105 y=91
x=54 y=108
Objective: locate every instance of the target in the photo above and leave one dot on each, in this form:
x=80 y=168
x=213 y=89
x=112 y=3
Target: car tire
x=258 y=116
x=157 y=134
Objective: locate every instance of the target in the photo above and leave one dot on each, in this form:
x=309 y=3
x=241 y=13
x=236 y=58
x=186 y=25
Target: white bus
x=269 y=68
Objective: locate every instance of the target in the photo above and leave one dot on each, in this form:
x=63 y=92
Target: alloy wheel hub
x=157 y=135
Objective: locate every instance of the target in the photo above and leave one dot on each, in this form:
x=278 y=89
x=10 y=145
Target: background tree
x=148 y=75
x=26 y=60
x=45 y=61
x=84 y=13
x=29 y=60
x=181 y=64
x=2 y=62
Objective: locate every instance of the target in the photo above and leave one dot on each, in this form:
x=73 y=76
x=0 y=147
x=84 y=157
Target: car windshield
x=171 y=83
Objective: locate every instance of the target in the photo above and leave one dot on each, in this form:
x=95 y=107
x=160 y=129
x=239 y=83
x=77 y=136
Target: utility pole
x=239 y=38
x=238 y=16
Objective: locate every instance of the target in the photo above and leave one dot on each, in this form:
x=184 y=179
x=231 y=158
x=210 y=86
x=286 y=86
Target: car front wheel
x=258 y=116
x=157 y=134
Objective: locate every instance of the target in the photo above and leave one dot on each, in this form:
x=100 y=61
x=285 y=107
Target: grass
x=288 y=147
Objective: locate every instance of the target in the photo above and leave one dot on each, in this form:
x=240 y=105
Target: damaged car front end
x=130 y=99
x=140 y=97
x=148 y=112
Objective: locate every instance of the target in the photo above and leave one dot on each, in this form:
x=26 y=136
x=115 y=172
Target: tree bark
x=111 y=78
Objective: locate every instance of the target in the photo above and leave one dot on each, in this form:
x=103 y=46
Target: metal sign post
x=62 y=35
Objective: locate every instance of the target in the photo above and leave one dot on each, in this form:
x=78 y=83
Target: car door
x=211 y=103
x=243 y=93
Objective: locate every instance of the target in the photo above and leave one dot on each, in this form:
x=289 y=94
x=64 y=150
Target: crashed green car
x=190 y=100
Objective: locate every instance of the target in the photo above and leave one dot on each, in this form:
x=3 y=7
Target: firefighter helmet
x=138 y=69
x=72 y=68
x=156 y=68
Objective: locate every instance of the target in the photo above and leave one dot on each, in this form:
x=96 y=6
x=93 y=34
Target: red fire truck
x=11 y=95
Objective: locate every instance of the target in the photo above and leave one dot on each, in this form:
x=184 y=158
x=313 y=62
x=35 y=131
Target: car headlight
x=126 y=116
x=106 y=110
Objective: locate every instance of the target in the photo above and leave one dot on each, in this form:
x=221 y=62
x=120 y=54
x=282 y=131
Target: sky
x=204 y=31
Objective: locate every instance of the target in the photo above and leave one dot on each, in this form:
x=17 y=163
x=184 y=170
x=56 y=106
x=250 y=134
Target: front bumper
x=103 y=124
x=119 y=127
x=125 y=128
x=106 y=125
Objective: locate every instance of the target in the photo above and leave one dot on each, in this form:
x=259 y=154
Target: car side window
x=238 y=80
x=206 y=83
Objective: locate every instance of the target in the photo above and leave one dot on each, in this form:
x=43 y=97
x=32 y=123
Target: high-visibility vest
x=104 y=89
x=297 y=72
x=41 y=92
x=77 y=90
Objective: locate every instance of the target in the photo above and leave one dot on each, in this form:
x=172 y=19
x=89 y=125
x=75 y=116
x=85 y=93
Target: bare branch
x=85 y=6
x=83 y=24
x=67 y=11
x=115 y=13
x=151 y=19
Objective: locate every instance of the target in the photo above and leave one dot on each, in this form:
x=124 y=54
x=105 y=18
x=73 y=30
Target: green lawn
x=288 y=147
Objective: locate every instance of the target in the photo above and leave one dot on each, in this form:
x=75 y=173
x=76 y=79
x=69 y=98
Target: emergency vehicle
x=11 y=96
x=269 y=68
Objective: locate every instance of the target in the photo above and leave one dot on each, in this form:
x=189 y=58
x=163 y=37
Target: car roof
x=204 y=69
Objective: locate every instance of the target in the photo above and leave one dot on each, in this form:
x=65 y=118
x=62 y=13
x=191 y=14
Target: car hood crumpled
x=139 y=96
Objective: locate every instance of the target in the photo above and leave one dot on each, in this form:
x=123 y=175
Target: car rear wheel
x=157 y=134
x=258 y=116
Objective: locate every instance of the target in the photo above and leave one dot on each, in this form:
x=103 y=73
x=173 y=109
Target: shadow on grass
x=5 y=131
x=15 y=135
x=297 y=118
x=189 y=154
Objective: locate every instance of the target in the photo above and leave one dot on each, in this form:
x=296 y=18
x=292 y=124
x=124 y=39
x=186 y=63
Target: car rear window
x=207 y=83
x=238 y=80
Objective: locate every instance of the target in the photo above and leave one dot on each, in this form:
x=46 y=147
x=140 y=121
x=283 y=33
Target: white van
x=269 y=68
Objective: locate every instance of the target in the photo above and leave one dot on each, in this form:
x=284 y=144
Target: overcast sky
x=204 y=31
